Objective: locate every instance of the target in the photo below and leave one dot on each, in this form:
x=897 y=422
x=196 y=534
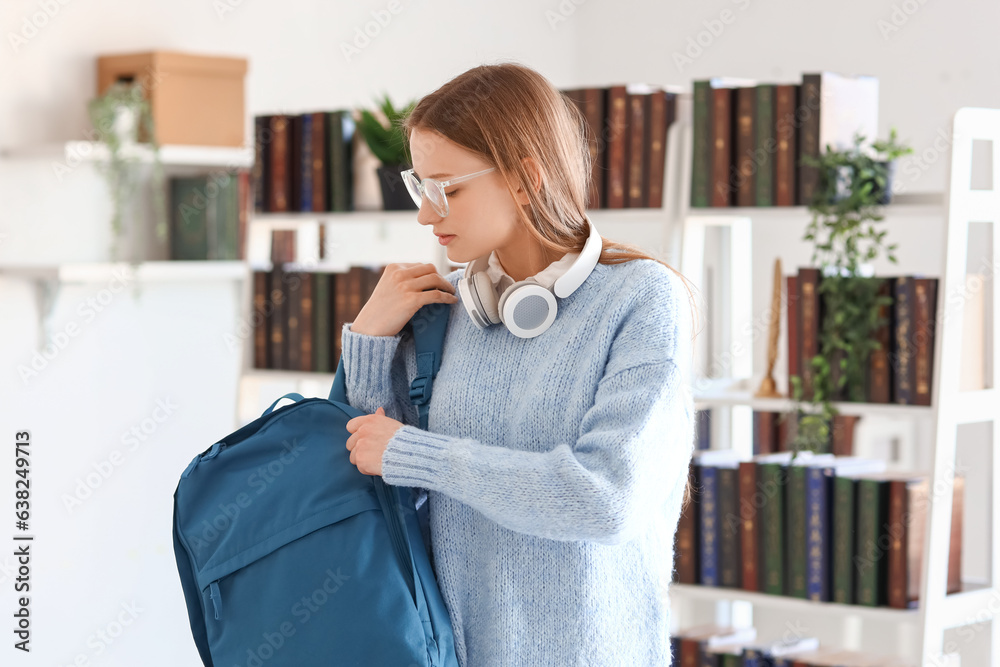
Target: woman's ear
x=535 y=173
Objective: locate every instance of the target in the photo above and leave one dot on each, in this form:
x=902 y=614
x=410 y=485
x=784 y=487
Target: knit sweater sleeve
x=377 y=368
x=631 y=453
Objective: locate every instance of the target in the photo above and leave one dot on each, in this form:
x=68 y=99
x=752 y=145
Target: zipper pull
x=216 y=596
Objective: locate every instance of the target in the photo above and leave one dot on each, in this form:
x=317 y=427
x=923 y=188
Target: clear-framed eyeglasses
x=434 y=189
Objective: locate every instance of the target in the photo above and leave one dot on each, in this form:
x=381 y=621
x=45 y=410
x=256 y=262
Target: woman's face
x=481 y=212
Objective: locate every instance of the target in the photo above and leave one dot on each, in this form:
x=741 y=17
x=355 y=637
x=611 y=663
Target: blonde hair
x=506 y=112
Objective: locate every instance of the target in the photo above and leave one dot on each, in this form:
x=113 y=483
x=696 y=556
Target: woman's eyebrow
x=437 y=175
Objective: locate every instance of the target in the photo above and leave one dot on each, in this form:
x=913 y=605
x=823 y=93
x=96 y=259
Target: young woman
x=556 y=455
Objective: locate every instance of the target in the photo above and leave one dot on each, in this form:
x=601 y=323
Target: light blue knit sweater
x=555 y=468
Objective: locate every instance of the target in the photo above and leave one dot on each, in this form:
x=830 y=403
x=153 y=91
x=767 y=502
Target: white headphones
x=528 y=307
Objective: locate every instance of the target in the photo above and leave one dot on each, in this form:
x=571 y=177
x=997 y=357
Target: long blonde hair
x=507 y=111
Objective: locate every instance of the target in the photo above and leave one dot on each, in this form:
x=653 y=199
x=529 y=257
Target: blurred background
x=135 y=323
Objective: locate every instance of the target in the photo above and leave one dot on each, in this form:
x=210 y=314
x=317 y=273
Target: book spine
x=321 y=322
x=658 y=125
x=701 y=167
x=687 y=536
x=844 y=534
x=744 y=168
x=259 y=322
x=772 y=481
x=786 y=155
x=722 y=146
x=637 y=148
x=925 y=310
x=278 y=192
x=809 y=145
x=766 y=146
x=795 y=523
x=870 y=561
x=261 y=159
x=320 y=162
x=306 y=322
x=809 y=327
x=792 y=320
x=817 y=536
x=306 y=163
x=729 y=527
x=709 y=526
x=617 y=127
x=749 y=547
x=879 y=375
x=903 y=366
x=594 y=99
x=897 y=544
x=278 y=320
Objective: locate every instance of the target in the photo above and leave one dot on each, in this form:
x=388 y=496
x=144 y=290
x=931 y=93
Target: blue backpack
x=288 y=555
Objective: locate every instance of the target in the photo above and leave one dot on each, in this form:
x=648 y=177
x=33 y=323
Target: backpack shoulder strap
x=429 y=325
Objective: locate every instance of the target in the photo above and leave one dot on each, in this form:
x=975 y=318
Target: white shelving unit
x=72 y=152
x=915 y=635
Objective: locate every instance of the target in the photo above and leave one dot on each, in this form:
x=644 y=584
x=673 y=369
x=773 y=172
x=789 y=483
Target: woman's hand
x=370 y=435
x=401 y=291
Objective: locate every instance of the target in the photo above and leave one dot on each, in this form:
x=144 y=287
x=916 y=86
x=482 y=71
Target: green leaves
x=388 y=143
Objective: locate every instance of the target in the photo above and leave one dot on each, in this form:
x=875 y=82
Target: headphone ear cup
x=483 y=288
x=528 y=308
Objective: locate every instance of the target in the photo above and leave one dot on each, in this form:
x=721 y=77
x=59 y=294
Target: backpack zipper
x=216 y=596
x=396 y=536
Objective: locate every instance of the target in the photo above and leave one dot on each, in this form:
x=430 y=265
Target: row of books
x=207 y=215
x=628 y=126
x=749 y=138
x=819 y=527
x=303 y=162
x=901 y=371
x=719 y=646
x=298 y=316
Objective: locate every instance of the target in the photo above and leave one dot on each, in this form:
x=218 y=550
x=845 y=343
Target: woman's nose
x=427 y=215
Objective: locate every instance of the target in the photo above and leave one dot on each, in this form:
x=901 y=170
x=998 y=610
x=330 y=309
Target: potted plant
x=853 y=184
x=118 y=116
x=388 y=143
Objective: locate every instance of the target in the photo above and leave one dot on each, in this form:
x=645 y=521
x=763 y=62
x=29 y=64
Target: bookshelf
x=916 y=635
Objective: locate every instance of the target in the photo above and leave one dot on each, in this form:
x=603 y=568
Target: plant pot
x=126 y=125
x=395 y=196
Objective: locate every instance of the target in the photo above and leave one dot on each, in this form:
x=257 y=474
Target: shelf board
x=721 y=395
x=293 y=218
x=792 y=605
x=174 y=155
x=100 y=272
x=904 y=205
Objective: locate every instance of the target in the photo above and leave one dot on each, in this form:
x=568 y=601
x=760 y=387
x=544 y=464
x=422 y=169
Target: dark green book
x=795 y=527
x=729 y=527
x=870 y=560
x=321 y=322
x=771 y=479
x=844 y=538
x=765 y=145
x=701 y=163
x=189 y=237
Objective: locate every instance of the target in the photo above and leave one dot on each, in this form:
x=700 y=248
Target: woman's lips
x=445 y=239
